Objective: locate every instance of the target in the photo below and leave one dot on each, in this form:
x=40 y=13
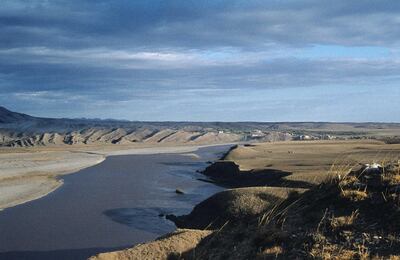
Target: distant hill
x=9 y=117
x=17 y=129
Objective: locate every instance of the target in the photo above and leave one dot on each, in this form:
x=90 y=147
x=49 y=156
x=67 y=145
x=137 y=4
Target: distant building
x=305 y=137
x=257 y=134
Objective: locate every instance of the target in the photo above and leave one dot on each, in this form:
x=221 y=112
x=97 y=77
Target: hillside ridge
x=22 y=130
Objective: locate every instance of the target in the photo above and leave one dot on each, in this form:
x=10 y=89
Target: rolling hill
x=21 y=130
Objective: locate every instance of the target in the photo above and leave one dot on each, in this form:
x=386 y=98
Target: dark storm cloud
x=198 y=24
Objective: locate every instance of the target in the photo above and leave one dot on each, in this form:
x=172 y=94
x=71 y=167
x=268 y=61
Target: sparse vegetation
x=354 y=216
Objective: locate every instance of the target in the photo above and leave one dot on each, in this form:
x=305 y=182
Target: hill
x=9 y=117
x=20 y=130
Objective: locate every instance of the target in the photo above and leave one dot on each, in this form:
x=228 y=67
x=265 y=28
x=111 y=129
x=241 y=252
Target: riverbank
x=238 y=218
x=116 y=204
x=29 y=174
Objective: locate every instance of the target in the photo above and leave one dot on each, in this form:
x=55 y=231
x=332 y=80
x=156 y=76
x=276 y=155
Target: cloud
x=192 y=24
x=125 y=51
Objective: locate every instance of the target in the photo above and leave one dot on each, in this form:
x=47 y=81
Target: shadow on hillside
x=229 y=174
x=264 y=177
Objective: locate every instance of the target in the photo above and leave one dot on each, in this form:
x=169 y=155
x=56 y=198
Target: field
x=312 y=161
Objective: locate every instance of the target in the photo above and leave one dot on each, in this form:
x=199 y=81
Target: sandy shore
x=29 y=174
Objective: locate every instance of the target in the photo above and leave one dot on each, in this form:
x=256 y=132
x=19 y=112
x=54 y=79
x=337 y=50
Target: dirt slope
x=116 y=136
x=170 y=246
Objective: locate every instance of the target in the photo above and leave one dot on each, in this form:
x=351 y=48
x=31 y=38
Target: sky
x=186 y=60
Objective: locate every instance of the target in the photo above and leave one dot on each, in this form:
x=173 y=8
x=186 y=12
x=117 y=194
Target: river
x=109 y=206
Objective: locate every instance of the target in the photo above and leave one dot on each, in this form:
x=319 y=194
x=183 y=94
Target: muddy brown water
x=109 y=206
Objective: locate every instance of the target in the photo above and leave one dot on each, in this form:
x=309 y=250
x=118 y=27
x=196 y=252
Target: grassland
x=311 y=161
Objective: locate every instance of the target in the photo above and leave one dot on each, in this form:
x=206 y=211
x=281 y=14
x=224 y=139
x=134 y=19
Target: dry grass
x=350 y=215
x=354 y=216
x=270 y=252
x=311 y=161
x=354 y=195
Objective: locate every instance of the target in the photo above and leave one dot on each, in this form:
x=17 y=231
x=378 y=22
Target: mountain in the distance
x=9 y=117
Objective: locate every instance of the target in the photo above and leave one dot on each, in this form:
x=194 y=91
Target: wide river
x=109 y=206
